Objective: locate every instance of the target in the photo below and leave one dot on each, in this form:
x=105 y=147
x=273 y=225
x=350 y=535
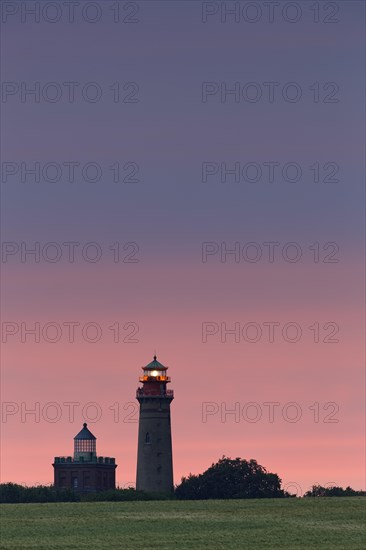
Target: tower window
x=62 y=480
x=147 y=438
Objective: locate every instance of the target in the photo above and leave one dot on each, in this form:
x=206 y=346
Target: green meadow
x=310 y=523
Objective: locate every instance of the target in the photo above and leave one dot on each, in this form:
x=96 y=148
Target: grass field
x=314 y=523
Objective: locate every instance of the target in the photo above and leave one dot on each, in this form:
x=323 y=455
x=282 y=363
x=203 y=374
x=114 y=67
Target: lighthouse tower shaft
x=154 y=456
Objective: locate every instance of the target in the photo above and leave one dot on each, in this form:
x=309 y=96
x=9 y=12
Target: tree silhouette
x=231 y=478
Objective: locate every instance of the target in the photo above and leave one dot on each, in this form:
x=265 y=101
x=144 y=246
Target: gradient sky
x=169 y=293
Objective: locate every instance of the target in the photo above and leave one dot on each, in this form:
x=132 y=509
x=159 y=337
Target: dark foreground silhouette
x=226 y=479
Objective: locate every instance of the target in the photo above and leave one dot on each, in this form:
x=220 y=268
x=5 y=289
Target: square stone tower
x=85 y=472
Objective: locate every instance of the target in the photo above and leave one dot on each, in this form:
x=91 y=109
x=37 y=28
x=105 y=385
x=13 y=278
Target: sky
x=190 y=181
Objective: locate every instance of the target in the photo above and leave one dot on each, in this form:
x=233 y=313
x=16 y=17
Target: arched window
x=147 y=438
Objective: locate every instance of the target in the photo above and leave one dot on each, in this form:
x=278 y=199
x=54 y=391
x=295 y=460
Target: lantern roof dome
x=85 y=433
x=154 y=365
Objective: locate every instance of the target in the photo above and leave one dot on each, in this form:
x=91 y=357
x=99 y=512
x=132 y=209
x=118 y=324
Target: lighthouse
x=154 y=454
x=85 y=472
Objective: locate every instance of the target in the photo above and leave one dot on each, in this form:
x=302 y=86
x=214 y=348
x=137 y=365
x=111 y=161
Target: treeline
x=11 y=493
x=227 y=479
x=238 y=478
x=319 y=491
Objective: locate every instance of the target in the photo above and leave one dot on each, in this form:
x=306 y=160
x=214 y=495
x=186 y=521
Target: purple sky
x=168 y=134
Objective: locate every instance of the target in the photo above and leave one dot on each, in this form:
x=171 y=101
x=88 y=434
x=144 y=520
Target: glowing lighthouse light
x=154 y=372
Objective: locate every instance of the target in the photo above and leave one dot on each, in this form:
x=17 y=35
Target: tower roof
x=155 y=365
x=85 y=433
